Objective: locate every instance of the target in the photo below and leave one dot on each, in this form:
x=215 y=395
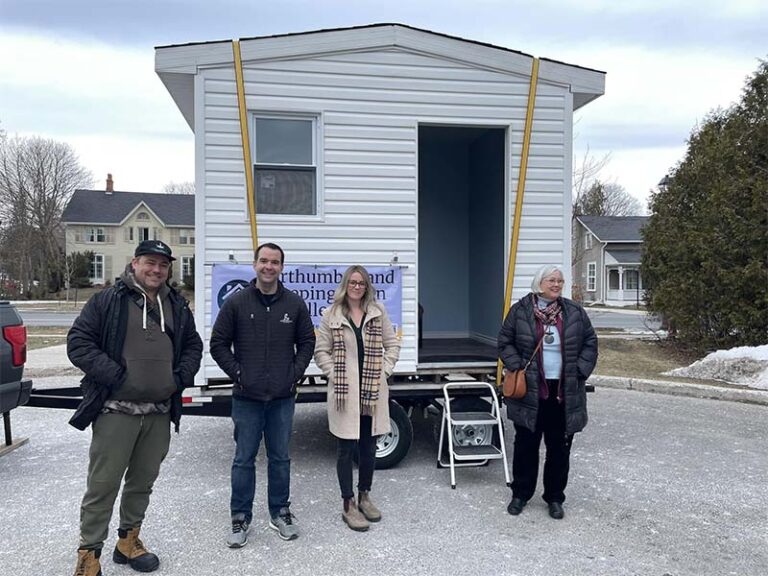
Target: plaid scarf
x=373 y=355
x=550 y=314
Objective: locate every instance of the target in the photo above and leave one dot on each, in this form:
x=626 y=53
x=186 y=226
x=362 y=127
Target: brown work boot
x=367 y=507
x=352 y=516
x=88 y=563
x=130 y=550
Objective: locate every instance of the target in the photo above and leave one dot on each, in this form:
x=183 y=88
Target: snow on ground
x=746 y=365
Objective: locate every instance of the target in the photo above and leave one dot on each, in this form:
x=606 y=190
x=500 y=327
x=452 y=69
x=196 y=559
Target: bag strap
x=153 y=313
x=535 y=351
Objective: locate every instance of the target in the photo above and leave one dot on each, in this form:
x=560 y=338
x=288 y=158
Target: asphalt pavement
x=660 y=485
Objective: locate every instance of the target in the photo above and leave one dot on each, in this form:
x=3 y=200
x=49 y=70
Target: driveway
x=629 y=320
x=659 y=485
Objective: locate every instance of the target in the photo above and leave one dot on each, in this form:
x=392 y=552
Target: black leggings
x=366 y=460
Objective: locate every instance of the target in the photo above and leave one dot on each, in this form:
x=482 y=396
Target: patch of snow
x=745 y=365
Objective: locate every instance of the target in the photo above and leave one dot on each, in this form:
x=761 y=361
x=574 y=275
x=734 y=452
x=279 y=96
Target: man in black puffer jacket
x=137 y=345
x=271 y=332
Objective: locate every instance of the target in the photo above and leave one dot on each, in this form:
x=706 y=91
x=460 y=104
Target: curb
x=710 y=392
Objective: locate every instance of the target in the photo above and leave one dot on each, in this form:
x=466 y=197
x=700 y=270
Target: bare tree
x=606 y=199
x=586 y=171
x=179 y=188
x=37 y=178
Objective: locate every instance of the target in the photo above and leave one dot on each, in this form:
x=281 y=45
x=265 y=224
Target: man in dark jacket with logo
x=137 y=345
x=271 y=332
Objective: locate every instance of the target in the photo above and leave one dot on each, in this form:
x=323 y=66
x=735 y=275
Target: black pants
x=550 y=423
x=366 y=459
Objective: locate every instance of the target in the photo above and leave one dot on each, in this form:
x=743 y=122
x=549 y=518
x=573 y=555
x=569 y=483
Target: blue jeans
x=273 y=419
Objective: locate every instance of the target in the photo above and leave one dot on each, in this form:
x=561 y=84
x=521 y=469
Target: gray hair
x=542 y=273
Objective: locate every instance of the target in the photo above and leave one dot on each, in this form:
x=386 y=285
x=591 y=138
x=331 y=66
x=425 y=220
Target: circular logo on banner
x=229 y=289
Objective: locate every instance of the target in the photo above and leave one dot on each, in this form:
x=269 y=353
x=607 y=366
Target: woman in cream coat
x=357 y=350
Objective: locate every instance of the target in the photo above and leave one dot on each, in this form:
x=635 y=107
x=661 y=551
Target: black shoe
x=516 y=506
x=556 y=510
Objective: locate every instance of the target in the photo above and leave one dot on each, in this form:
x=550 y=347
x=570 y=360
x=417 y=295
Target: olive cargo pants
x=133 y=446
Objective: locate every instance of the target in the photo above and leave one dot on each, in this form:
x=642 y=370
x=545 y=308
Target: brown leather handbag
x=514 y=386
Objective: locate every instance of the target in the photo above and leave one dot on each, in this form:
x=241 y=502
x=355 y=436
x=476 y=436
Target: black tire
x=393 y=447
x=469 y=404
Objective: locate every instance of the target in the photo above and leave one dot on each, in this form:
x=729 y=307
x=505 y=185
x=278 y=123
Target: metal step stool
x=462 y=455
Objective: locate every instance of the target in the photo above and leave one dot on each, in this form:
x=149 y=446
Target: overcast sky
x=83 y=71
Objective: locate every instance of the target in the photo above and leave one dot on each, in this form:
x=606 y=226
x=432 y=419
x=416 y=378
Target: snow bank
x=746 y=365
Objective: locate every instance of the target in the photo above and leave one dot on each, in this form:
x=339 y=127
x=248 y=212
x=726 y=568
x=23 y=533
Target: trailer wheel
x=393 y=446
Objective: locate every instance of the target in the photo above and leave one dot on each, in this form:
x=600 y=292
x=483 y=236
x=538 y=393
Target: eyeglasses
x=554 y=280
x=356 y=284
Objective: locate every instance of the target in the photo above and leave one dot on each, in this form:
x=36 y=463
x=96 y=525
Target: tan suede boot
x=352 y=516
x=367 y=507
x=130 y=550
x=88 y=563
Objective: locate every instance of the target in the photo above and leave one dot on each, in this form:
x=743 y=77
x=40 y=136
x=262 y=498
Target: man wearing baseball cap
x=137 y=344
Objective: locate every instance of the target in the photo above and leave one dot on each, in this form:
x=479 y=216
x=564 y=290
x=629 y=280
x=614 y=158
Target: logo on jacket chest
x=286 y=319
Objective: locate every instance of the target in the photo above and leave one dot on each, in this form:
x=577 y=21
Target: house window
x=285 y=171
x=631 y=279
x=142 y=216
x=587 y=241
x=97 y=235
x=129 y=234
x=143 y=234
x=97 y=269
x=187 y=236
x=186 y=267
x=591 y=276
x=613 y=279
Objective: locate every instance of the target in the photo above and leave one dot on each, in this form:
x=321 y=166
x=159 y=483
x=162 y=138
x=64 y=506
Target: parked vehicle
x=14 y=391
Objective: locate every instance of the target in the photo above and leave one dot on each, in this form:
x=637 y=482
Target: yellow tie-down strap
x=513 y=242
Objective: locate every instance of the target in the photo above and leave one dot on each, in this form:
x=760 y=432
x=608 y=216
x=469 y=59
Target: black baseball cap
x=155 y=248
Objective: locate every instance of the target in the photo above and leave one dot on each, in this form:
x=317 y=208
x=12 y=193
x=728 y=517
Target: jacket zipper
x=268 y=340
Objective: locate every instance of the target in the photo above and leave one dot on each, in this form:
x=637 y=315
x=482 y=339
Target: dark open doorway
x=461 y=242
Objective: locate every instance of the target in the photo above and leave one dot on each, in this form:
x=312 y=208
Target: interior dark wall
x=486 y=240
x=443 y=230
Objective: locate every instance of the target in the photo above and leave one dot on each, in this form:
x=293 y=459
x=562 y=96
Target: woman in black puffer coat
x=555 y=405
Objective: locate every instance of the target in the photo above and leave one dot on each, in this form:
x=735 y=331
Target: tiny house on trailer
x=444 y=159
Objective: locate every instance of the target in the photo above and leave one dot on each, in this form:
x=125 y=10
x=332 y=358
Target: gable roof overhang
x=138 y=207
x=178 y=64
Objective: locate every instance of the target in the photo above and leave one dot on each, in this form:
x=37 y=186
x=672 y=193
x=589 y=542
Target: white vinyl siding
x=368 y=107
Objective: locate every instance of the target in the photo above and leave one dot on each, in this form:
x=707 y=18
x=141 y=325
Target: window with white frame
x=143 y=233
x=97 y=269
x=613 y=279
x=285 y=170
x=187 y=266
x=129 y=234
x=142 y=216
x=187 y=236
x=96 y=235
x=631 y=279
x=588 y=241
x=591 y=276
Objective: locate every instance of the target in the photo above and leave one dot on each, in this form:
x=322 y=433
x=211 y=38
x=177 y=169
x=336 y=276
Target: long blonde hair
x=340 y=296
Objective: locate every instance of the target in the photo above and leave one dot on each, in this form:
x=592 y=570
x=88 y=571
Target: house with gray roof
x=111 y=223
x=606 y=259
